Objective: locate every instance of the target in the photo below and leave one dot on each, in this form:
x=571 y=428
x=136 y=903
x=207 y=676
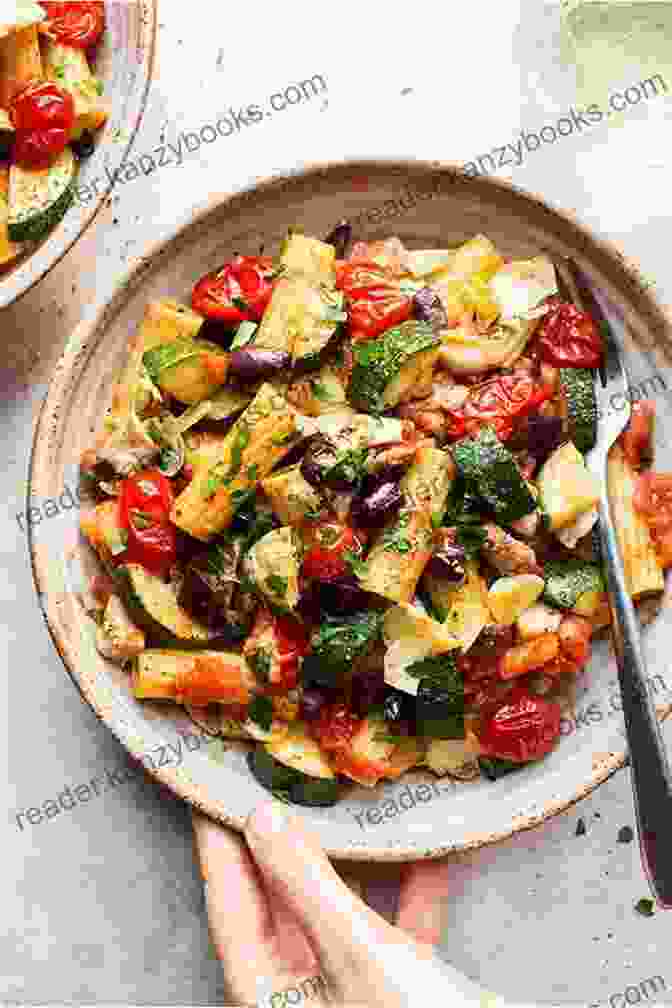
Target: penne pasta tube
x=643 y=572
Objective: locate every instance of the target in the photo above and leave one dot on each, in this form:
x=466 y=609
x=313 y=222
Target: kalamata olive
x=332 y=461
x=544 y=435
x=312 y=702
x=342 y=595
x=340 y=238
x=427 y=307
x=257 y=362
x=216 y=331
x=448 y=563
x=378 y=506
x=84 y=146
x=315 y=672
x=367 y=691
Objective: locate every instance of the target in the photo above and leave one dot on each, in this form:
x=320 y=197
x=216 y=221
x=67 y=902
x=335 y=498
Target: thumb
x=342 y=929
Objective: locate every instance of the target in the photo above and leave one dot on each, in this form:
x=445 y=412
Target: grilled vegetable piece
x=393 y=367
x=456 y=757
x=428 y=482
x=537 y=620
x=153 y=605
x=192 y=677
x=117 y=637
x=566 y=487
x=508 y=597
x=273 y=565
x=9 y=250
x=440 y=697
x=295 y=769
x=70 y=69
x=485 y=462
x=291 y=495
x=412 y=636
x=258 y=440
x=310 y=257
x=190 y=371
x=338 y=642
x=464 y=608
x=575 y=585
x=39 y=197
x=505 y=553
x=368 y=758
x=167 y=321
x=576 y=385
x=101 y=527
x=210 y=592
x=399 y=555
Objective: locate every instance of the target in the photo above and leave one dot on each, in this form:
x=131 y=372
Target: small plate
x=428 y=204
x=124 y=65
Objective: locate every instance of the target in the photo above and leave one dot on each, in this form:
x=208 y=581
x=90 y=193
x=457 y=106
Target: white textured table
x=102 y=901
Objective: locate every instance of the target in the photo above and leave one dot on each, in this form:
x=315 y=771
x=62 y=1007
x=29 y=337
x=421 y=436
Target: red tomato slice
x=42 y=114
x=636 y=438
x=374 y=298
x=653 y=500
x=325 y=559
x=500 y=401
x=145 y=502
x=523 y=728
x=238 y=292
x=78 y=24
x=335 y=728
x=568 y=337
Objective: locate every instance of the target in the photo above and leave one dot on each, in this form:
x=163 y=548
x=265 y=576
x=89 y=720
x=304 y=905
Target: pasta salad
x=344 y=513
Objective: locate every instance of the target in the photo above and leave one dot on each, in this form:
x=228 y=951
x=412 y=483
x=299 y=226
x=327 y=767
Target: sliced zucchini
x=456 y=757
x=39 y=197
x=117 y=637
x=440 y=698
x=258 y=440
x=493 y=470
x=167 y=321
x=70 y=69
x=578 y=391
x=294 y=768
x=574 y=584
x=411 y=636
x=153 y=605
x=321 y=322
x=228 y=401
x=463 y=609
x=273 y=564
x=291 y=495
x=509 y=596
x=567 y=488
x=310 y=257
x=188 y=370
x=390 y=369
x=520 y=286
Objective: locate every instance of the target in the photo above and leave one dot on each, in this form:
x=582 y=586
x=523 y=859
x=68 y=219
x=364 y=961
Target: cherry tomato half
x=42 y=114
x=292 y=645
x=374 y=298
x=145 y=502
x=78 y=24
x=524 y=727
x=335 y=728
x=326 y=557
x=499 y=401
x=568 y=337
x=636 y=438
x=238 y=292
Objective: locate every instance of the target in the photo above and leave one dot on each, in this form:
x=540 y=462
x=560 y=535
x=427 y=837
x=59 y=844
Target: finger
x=422 y=899
x=240 y=920
x=341 y=928
x=291 y=946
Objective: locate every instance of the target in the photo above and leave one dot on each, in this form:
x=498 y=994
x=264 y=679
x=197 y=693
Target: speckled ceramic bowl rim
x=83 y=341
x=126 y=111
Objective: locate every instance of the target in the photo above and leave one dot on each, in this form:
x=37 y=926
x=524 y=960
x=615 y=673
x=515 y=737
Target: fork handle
x=651 y=776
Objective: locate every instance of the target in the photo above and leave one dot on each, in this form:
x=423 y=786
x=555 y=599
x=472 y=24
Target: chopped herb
x=439 y=668
x=261 y=712
x=384 y=737
x=281 y=439
x=355 y=562
x=240 y=443
x=320 y=391
x=349 y=467
x=98 y=85
x=59 y=71
x=339 y=357
x=470 y=536
x=141 y=519
x=277 y=584
x=253 y=471
x=395 y=538
x=645 y=906
x=167 y=355
x=247 y=585
x=240 y=497
x=168 y=458
x=261 y=662
x=437 y=519
x=239 y=303
x=337 y=642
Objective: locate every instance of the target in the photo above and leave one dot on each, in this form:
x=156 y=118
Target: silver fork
x=651 y=776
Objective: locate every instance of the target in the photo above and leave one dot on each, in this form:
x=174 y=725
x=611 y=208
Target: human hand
x=284 y=923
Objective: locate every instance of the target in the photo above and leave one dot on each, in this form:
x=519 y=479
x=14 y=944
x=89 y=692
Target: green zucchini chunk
x=578 y=390
x=492 y=468
x=39 y=197
x=309 y=256
x=288 y=768
x=572 y=584
x=179 y=369
x=153 y=605
x=388 y=367
x=440 y=697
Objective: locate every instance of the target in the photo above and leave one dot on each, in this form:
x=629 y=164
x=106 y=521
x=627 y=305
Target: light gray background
x=103 y=903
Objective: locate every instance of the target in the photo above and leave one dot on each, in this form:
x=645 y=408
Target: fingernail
x=265 y=820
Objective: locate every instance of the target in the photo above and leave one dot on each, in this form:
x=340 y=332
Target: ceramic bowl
x=124 y=65
x=427 y=204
